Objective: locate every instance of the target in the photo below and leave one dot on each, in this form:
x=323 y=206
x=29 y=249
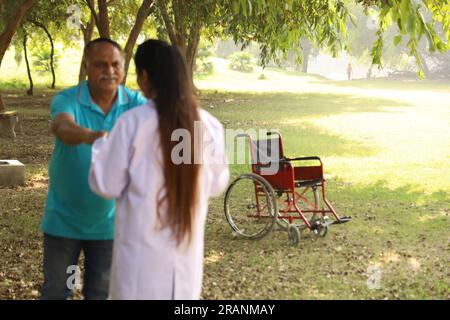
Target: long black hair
x=177 y=108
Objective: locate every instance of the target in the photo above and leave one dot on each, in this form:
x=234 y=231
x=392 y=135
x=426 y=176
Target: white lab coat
x=126 y=165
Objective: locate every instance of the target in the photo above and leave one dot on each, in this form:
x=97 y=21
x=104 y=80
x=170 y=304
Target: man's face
x=105 y=67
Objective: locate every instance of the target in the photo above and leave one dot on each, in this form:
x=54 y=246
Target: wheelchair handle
x=242 y=135
x=305 y=159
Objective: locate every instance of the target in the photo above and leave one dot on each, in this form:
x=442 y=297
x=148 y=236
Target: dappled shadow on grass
x=283 y=106
x=21 y=209
x=291 y=114
x=405 y=205
x=391 y=84
x=33 y=146
x=306 y=139
x=41 y=99
x=34 y=141
x=387 y=221
x=285 y=111
x=377 y=203
x=311 y=140
x=387 y=231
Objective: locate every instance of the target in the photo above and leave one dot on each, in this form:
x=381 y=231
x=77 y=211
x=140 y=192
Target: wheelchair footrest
x=342 y=220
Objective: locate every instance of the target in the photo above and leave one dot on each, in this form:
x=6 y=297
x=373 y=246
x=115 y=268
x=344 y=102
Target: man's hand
x=66 y=129
x=90 y=136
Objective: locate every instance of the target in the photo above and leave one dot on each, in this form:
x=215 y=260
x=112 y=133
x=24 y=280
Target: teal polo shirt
x=72 y=210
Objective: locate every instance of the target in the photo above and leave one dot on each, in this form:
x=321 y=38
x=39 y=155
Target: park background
x=383 y=136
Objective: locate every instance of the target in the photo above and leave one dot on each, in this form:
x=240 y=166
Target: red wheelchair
x=277 y=192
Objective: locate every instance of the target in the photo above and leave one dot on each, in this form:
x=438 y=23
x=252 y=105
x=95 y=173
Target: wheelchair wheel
x=294 y=235
x=250 y=206
x=319 y=226
x=312 y=195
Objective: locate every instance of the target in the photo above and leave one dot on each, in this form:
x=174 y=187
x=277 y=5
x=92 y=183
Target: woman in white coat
x=162 y=161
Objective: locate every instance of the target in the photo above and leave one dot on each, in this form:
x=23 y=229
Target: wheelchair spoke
x=250 y=206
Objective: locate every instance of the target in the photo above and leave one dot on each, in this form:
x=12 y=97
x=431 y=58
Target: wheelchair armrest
x=286 y=160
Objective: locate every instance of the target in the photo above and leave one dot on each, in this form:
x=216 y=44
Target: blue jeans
x=61 y=253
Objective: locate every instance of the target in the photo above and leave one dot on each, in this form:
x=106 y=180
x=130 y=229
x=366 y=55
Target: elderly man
x=76 y=219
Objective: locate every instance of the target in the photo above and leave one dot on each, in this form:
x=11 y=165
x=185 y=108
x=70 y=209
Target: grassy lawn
x=386 y=151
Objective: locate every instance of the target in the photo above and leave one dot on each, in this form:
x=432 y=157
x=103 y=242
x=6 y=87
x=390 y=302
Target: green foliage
x=18 y=55
x=41 y=61
x=275 y=26
x=278 y=27
x=204 y=65
x=242 y=61
x=205 y=51
x=407 y=16
x=15 y=83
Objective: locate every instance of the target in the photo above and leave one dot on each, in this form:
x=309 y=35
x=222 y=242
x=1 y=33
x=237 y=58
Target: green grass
x=387 y=165
x=396 y=84
x=385 y=155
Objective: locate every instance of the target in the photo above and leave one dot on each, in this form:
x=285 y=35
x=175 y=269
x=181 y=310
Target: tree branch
x=169 y=26
x=52 y=52
x=103 y=29
x=101 y=17
x=91 y=5
x=193 y=40
x=11 y=26
x=179 y=21
x=143 y=12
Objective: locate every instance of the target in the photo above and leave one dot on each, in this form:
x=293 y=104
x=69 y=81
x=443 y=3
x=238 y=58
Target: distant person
x=162 y=202
x=75 y=218
x=349 y=71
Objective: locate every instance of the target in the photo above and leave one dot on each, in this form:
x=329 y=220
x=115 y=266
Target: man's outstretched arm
x=65 y=128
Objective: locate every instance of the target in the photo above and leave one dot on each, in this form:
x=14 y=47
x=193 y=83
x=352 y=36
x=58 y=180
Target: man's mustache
x=108 y=77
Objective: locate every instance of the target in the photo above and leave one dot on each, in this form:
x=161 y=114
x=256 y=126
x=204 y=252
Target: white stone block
x=12 y=173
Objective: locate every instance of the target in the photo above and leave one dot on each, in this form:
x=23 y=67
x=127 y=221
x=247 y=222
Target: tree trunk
x=30 y=79
x=189 y=51
x=10 y=29
x=11 y=26
x=87 y=36
x=143 y=13
x=306 y=51
x=52 y=52
x=2 y=105
x=369 y=72
x=191 y=54
x=52 y=59
x=305 y=62
x=103 y=27
x=101 y=18
x=178 y=35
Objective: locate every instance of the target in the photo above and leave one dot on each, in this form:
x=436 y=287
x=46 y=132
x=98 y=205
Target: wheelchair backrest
x=266 y=151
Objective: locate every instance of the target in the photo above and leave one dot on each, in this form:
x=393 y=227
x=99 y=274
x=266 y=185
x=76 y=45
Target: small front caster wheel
x=294 y=235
